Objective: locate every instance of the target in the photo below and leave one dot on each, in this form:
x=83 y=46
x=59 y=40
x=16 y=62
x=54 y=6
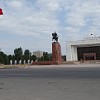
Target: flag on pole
x=1 y=13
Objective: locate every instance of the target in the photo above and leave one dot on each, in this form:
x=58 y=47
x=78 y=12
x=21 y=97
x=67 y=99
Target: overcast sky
x=29 y=23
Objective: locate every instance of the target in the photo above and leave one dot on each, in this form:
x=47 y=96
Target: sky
x=30 y=23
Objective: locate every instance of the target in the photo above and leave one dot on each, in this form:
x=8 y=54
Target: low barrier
x=46 y=63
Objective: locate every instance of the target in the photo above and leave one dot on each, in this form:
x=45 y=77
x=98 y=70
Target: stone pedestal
x=56 y=53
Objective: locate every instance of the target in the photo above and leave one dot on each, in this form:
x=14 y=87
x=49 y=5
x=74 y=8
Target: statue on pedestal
x=55 y=37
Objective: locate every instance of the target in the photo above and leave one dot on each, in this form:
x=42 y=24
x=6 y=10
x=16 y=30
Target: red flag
x=1 y=13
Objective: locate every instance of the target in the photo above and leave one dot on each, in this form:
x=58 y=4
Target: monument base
x=56 y=53
x=46 y=63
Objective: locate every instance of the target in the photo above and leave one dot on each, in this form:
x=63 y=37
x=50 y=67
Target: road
x=81 y=71
x=54 y=82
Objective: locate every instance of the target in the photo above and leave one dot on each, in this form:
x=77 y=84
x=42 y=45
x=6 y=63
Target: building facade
x=38 y=54
x=87 y=49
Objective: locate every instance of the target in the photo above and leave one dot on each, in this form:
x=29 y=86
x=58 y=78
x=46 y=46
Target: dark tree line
x=45 y=57
x=23 y=56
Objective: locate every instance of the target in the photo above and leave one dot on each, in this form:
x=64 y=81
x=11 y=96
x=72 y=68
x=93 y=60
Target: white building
x=87 y=49
x=38 y=53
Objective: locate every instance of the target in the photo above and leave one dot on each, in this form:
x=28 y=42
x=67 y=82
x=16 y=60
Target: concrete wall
x=71 y=53
x=71 y=47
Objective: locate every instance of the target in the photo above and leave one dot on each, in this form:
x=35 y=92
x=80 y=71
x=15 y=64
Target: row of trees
x=23 y=56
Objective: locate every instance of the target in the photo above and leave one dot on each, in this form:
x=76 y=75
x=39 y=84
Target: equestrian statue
x=54 y=37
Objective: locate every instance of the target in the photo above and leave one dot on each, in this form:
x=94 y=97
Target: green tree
x=18 y=52
x=22 y=59
x=9 y=57
x=3 y=58
x=13 y=59
x=46 y=57
x=33 y=57
x=27 y=55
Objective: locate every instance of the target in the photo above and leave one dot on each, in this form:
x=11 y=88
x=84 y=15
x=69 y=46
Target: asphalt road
x=54 y=82
x=68 y=71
